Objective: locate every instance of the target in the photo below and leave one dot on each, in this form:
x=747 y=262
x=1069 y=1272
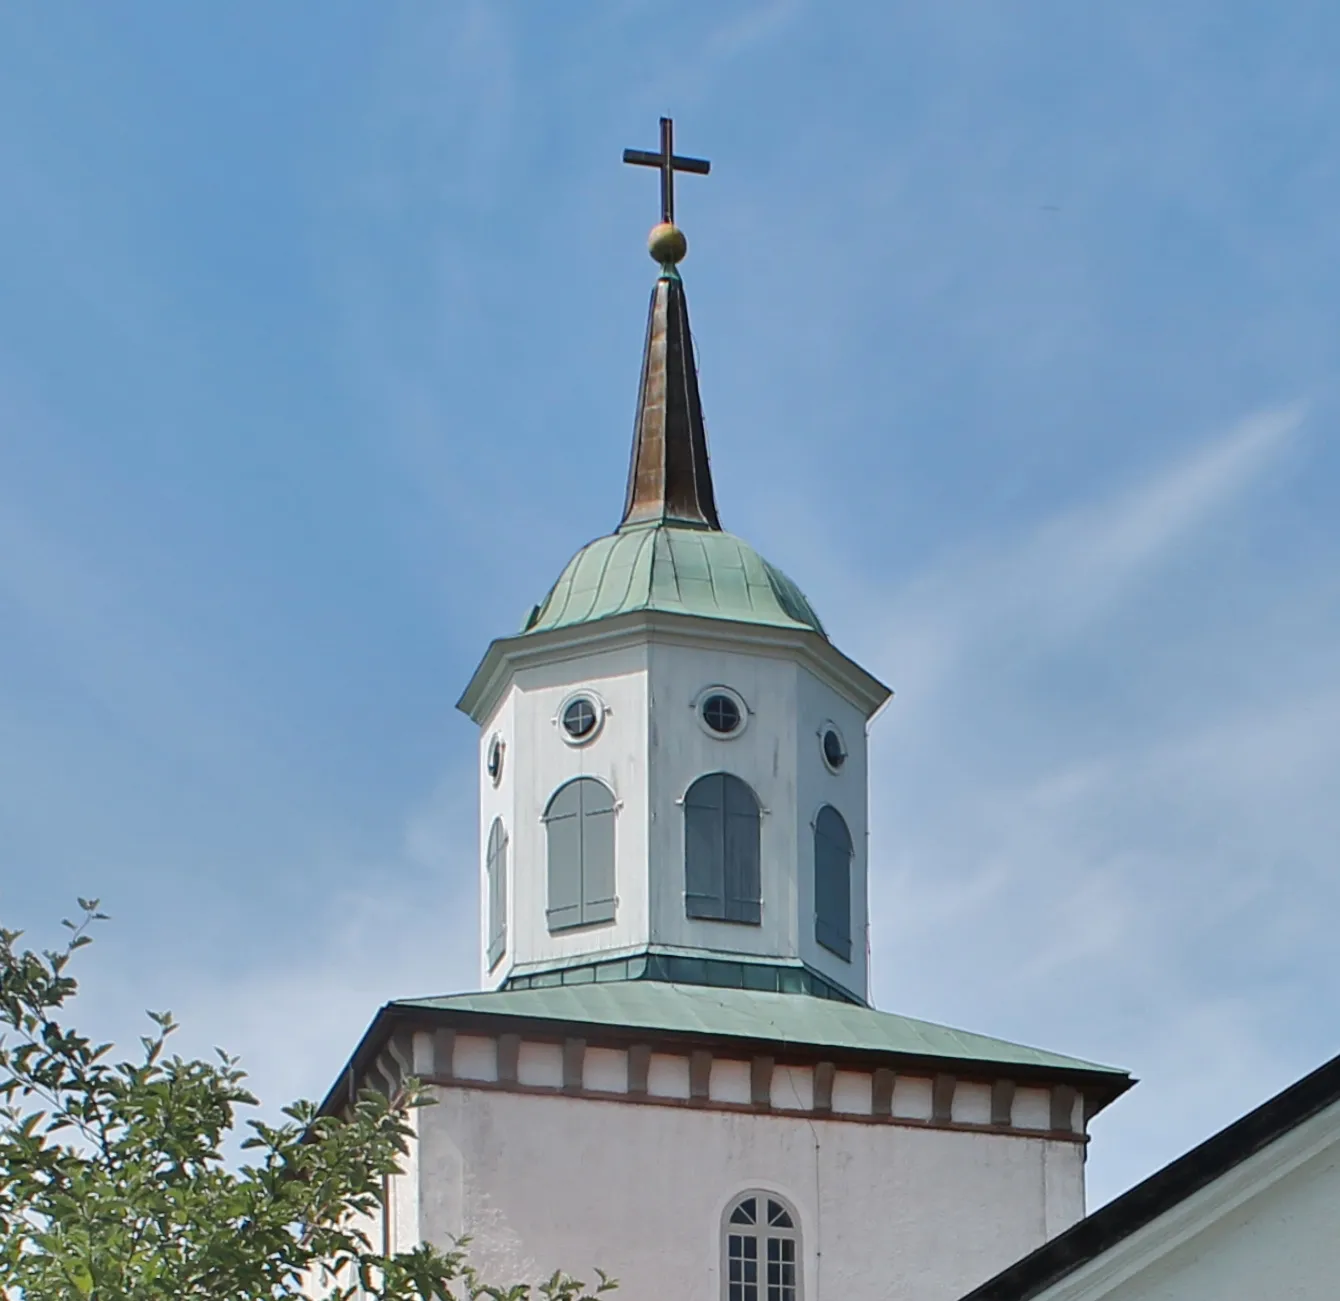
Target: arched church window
x=495 y=873
x=721 y=850
x=762 y=1250
x=579 y=823
x=832 y=882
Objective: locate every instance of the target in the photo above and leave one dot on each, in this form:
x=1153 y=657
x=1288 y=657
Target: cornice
x=508 y=655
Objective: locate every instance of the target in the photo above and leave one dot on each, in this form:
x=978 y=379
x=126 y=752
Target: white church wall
x=972 y=1103
x=1063 y=1200
x=405 y=1230
x=763 y=754
x=650 y=748
x=1032 y=1108
x=497 y=801
x=475 y=1057
x=538 y=762
x=540 y=1064
x=668 y=1076
x=542 y=1181
x=846 y=790
x=606 y=1070
x=729 y=1081
x=793 y=1087
x=912 y=1098
x=852 y=1093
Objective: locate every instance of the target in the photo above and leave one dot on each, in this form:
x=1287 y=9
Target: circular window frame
x=829 y=726
x=719 y=689
x=585 y=693
x=496 y=746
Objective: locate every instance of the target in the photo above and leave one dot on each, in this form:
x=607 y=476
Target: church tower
x=672 y=1070
x=672 y=751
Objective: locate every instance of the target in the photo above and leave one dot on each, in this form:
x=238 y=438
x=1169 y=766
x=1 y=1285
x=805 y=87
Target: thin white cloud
x=1087 y=559
x=1148 y=887
x=1073 y=569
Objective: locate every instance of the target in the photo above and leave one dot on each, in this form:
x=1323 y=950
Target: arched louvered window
x=761 y=1250
x=832 y=882
x=495 y=874
x=580 y=831
x=721 y=850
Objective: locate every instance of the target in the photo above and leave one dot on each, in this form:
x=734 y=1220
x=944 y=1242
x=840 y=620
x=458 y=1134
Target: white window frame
x=761 y=1231
x=720 y=689
x=597 y=704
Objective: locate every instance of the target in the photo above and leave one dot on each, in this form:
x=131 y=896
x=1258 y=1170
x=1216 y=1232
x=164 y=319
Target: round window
x=834 y=748
x=580 y=718
x=721 y=712
x=494 y=763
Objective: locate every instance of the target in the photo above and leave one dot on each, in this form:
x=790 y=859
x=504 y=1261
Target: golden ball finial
x=667 y=244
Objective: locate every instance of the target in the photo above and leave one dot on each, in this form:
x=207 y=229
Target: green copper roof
x=673 y=568
x=754 y=1014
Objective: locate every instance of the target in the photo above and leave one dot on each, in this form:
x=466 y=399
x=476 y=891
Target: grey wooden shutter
x=721 y=850
x=741 y=853
x=563 y=828
x=704 y=848
x=580 y=827
x=832 y=882
x=597 y=823
x=496 y=871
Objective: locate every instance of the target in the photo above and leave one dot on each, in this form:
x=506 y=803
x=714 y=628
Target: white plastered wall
x=888 y=1211
x=538 y=761
x=762 y=754
x=846 y=790
x=650 y=749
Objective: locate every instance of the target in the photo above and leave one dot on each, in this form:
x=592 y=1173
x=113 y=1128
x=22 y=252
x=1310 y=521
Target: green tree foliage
x=115 y=1184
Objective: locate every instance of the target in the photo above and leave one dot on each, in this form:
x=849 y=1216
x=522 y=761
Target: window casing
x=722 y=878
x=495 y=873
x=833 y=855
x=580 y=718
x=832 y=747
x=760 y=1250
x=722 y=712
x=579 y=826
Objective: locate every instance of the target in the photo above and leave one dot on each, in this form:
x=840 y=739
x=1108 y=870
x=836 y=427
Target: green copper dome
x=672 y=568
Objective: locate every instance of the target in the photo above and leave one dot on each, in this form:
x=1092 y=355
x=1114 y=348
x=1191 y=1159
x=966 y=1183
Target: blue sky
x=318 y=343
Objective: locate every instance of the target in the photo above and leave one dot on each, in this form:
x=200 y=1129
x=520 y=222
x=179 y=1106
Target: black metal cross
x=669 y=163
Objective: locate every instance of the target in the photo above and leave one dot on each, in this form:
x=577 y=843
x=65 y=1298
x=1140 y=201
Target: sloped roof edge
x=1167 y=1188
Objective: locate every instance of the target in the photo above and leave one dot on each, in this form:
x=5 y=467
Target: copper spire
x=669 y=479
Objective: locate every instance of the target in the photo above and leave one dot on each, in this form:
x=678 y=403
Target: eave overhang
x=508 y=655
x=1098 y=1087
